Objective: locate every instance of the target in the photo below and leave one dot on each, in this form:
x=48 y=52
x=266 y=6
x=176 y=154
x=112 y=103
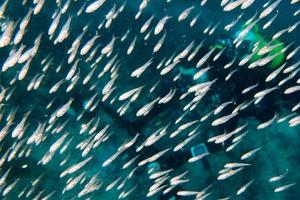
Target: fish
x=38 y=7
x=19 y=129
x=75 y=167
x=131 y=46
x=187 y=193
x=224 y=2
x=185 y=142
x=296 y=107
x=151 y=193
x=143 y=5
x=230 y=74
x=22 y=27
x=65 y=7
x=199 y=157
x=223 y=119
x=113 y=184
x=239 y=137
x=159 y=44
x=232 y=146
x=269 y=9
x=296 y=13
x=284 y=187
x=280 y=120
x=270 y=22
x=275 y=73
x=161 y=24
x=64 y=32
x=140 y=70
x=130 y=162
x=292 y=89
x=233 y=23
x=54 y=24
x=267 y=123
x=205 y=58
x=168 y=97
x=268 y=48
x=155 y=136
x=213 y=29
x=236 y=165
x=294 y=121
x=184 y=52
x=196 y=50
x=168 y=68
x=147 y=108
x=194 y=20
x=73 y=92
x=232 y=5
x=292 y=53
x=294 y=1
x=160 y=174
x=218 y=55
x=246 y=30
x=64 y=108
x=72 y=70
x=6 y=36
x=94 y=6
x=225 y=198
x=54 y=147
x=228 y=174
x=184 y=14
x=247 y=4
x=221 y=107
x=153 y=157
x=146 y=25
x=291 y=68
x=130 y=93
x=247 y=58
x=10 y=187
x=124 y=195
x=278 y=178
x=250 y=153
x=12 y=59
x=264 y=92
x=109 y=47
x=178 y=182
x=201 y=72
x=279 y=33
x=86 y=48
x=244 y=188
x=147 y=36
x=3 y=8
x=4 y=176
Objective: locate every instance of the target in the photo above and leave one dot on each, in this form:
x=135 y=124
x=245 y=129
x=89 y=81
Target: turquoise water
x=107 y=107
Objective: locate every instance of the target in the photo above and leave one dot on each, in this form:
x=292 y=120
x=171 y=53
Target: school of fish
x=92 y=96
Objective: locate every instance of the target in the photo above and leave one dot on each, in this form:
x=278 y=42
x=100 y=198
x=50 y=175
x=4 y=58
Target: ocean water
x=149 y=99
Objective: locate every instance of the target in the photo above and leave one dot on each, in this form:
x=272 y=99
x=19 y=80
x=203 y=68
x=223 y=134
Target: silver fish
x=244 y=187
x=146 y=24
x=250 y=153
x=185 y=13
x=269 y=9
x=94 y=6
x=284 y=187
x=161 y=24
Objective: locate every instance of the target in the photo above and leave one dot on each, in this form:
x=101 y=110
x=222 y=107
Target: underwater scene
x=150 y=99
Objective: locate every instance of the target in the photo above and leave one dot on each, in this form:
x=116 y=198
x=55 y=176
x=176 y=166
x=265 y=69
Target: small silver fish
x=161 y=24
x=284 y=187
x=94 y=6
x=244 y=187
x=250 y=153
x=185 y=13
